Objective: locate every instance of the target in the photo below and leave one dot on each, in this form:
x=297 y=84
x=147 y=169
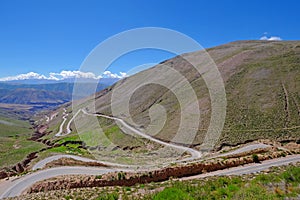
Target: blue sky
x=54 y=35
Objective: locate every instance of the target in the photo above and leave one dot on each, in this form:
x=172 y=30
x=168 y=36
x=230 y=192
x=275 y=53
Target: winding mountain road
x=243 y=149
x=41 y=164
x=61 y=127
x=250 y=168
x=15 y=187
x=194 y=153
x=69 y=123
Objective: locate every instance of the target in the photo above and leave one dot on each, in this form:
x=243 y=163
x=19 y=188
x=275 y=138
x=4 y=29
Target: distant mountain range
x=105 y=81
x=33 y=96
x=42 y=94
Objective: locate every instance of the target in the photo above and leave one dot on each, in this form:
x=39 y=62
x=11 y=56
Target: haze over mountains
x=47 y=91
x=41 y=94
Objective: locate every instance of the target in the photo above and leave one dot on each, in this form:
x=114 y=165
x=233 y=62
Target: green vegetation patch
x=276 y=185
x=14 y=150
x=172 y=194
x=14 y=143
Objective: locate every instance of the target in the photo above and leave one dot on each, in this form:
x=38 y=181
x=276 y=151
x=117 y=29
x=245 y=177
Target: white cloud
x=73 y=74
x=108 y=74
x=272 y=38
x=264 y=38
x=30 y=75
x=64 y=75
x=123 y=74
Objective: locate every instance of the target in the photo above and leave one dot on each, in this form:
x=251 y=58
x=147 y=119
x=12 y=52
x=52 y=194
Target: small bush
x=99 y=177
x=121 y=176
x=68 y=197
x=255 y=158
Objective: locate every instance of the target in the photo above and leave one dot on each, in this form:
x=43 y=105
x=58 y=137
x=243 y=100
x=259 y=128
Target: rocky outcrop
x=40 y=131
x=3 y=174
x=6 y=173
x=19 y=168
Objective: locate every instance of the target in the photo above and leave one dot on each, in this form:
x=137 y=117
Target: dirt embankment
x=130 y=178
x=40 y=131
x=73 y=162
x=18 y=168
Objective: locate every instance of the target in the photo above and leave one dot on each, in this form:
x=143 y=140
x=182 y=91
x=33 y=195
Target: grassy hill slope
x=262 y=81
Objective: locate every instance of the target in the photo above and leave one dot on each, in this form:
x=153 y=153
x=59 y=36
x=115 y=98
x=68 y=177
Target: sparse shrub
x=255 y=158
x=121 y=176
x=68 y=197
x=98 y=177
